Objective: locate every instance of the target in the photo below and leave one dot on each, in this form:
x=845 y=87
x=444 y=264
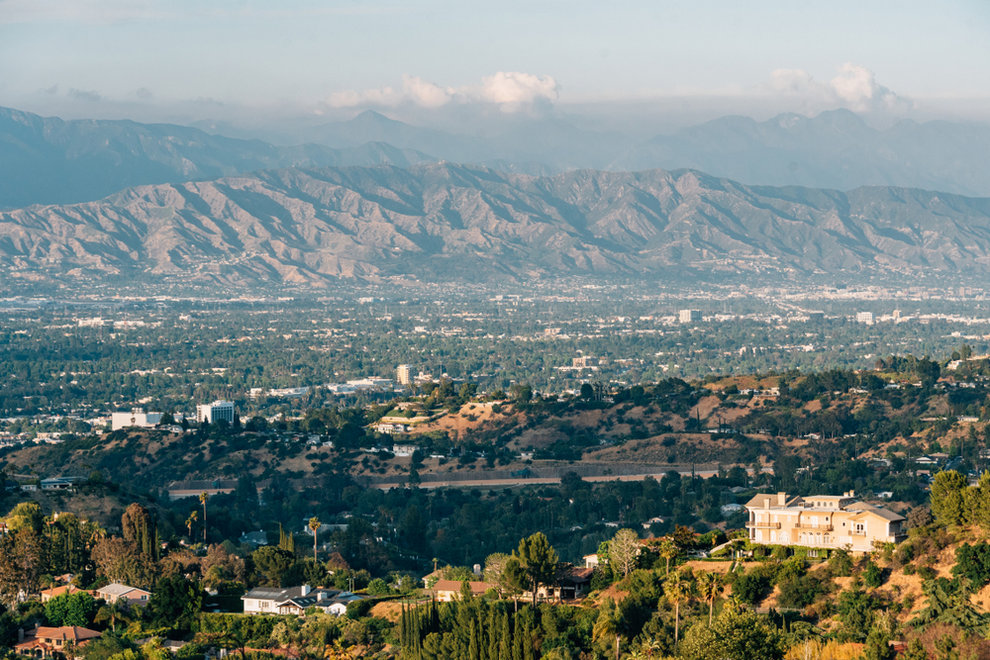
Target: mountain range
x=46 y=160
x=446 y=222
x=52 y=161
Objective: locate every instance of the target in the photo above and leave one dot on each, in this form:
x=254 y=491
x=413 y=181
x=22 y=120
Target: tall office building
x=215 y=412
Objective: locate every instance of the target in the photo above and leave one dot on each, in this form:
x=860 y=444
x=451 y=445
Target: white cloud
x=858 y=88
x=511 y=91
x=854 y=87
x=426 y=94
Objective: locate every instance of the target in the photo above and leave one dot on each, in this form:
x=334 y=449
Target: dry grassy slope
x=150 y=458
x=102 y=505
x=899 y=586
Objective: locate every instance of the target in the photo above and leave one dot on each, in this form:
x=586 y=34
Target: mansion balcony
x=763 y=525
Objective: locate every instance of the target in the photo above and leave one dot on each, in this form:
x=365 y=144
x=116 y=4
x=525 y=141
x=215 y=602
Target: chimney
x=781 y=498
x=20 y=635
x=305 y=590
x=321 y=596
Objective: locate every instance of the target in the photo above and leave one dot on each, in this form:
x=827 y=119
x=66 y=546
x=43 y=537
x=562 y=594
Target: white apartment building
x=214 y=412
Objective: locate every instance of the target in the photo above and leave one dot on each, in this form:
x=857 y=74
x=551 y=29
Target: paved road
x=546 y=475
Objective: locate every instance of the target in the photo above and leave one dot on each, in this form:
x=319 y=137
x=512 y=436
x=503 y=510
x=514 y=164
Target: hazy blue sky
x=207 y=57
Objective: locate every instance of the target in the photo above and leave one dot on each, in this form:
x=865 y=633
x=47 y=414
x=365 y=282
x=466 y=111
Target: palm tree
x=668 y=550
x=678 y=590
x=314 y=524
x=202 y=499
x=111 y=612
x=189 y=522
x=710 y=587
x=608 y=624
x=651 y=648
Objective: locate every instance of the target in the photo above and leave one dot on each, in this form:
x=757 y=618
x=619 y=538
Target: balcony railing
x=764 y=525
x=814 y=528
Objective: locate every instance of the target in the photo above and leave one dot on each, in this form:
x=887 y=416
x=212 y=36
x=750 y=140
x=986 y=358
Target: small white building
x=389 y=428
x=136 y=418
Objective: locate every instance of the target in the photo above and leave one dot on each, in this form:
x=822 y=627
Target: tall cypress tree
x=505 y=639
x=517 y=638
x=474 y=652
x=527 y=635
x=491 y=631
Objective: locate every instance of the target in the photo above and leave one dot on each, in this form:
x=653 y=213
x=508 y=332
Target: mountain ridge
x=443 y=222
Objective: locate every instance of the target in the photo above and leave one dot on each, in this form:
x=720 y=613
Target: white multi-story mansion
x=821 y=521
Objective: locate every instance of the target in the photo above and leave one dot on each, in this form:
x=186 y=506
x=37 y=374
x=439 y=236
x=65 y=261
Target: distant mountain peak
x=373 y=117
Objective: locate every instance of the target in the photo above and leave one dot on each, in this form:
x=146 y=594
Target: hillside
x=444 y=222
x=818 y=421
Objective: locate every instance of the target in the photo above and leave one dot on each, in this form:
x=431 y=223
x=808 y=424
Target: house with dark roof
x=296 y=600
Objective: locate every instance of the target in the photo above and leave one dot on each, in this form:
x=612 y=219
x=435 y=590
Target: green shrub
x=873 y=576
x=752 y=587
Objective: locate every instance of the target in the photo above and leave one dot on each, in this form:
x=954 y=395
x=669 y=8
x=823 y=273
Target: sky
x=223 y=59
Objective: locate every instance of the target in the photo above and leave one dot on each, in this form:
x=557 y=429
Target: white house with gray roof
x=296 y=600
x=117 y=592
